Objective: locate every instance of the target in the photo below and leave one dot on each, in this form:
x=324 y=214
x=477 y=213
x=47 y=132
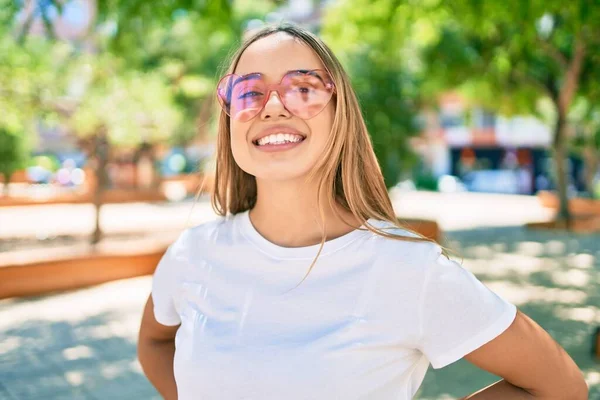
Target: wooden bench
x=41 y=271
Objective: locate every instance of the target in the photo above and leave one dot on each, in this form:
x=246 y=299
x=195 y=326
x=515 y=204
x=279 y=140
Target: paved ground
x=70 y=224
x=81 y=344
x=453 y=211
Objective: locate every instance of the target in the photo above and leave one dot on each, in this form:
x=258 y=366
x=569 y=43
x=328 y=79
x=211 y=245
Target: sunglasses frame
x=277 y=87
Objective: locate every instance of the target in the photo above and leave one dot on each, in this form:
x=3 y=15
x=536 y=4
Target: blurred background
x=485 y=118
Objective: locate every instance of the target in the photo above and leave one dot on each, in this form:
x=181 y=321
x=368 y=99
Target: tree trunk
x=560 y=161
x=101 y=150
x=147 y=176
x=97 y=235
x=592 y=162
x=7 y=177
x=563 y=102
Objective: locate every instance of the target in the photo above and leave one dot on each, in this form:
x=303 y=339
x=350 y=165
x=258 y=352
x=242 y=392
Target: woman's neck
x=287 y=214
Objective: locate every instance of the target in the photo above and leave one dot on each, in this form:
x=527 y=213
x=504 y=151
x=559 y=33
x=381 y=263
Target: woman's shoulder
x=202 y=235
x=405 y=246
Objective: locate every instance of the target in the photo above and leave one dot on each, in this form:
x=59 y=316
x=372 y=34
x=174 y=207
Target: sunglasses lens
x=304 y=94
x=241 y=97
x=307 y=93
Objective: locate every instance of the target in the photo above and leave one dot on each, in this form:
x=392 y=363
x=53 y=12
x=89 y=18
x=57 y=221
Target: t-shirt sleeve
x=164 y=287
x=458 y=313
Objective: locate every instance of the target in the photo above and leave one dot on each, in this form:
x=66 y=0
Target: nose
x=274 y=107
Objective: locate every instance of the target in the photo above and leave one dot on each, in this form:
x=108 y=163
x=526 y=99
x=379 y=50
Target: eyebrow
x=257 y=75
x=306 y=71
x=246 y=77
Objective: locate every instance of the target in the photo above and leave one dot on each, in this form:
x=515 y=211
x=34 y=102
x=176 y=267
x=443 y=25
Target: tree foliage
x=522 y=52
x=373 y=48
x=31 y=74
x=144 y=72
x=174 y=48
x=14 y=154
x=186 y=41
x=135 y=107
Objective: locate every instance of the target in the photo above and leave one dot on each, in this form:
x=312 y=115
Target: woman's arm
x=156 y=349
x=532 y=364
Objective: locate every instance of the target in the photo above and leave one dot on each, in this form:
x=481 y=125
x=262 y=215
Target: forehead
x=277 y=54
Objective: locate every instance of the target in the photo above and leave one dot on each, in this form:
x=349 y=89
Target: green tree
x=372 y=45
x=31 y=74
x=185 y=40
x=389 y=111
x=521 y=51
x=117 y=108
x=151 y=75
x=172 y=50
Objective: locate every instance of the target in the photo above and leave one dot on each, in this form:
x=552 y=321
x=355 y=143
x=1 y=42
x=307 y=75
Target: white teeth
x=279 y=138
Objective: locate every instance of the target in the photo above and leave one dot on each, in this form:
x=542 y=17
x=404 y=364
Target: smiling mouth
x=279 y=139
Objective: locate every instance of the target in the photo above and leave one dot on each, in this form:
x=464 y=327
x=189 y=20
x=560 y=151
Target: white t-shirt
x=366 y=323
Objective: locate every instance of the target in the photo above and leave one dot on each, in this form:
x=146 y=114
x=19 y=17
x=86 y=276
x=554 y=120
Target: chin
x=273 y=170
x=280 y=175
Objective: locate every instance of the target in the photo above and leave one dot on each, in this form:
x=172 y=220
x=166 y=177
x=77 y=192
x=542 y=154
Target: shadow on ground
x=61 y=360
x=552 y=277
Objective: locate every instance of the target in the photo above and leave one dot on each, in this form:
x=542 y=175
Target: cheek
x=239 y=134
x=239 y=146
x=321 y=125
x=238 y=131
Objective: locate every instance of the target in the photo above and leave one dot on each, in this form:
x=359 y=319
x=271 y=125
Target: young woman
x=306 y=287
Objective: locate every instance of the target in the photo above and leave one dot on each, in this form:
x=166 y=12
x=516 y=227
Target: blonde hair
x=348 y=173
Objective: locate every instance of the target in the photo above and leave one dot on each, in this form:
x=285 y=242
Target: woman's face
x=273 y=57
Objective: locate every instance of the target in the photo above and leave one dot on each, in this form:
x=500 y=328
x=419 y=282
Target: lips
x=275 y=129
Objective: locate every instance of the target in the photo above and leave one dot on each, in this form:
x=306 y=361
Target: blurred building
x=486 y=150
